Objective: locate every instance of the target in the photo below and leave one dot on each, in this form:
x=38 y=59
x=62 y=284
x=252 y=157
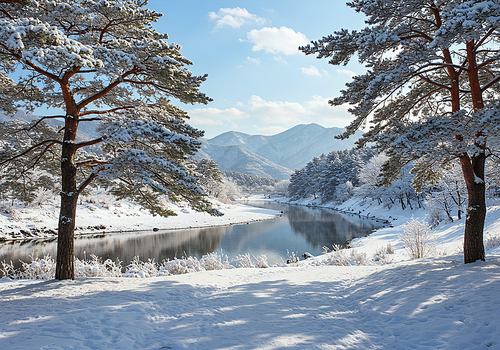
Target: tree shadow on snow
x=432 y=304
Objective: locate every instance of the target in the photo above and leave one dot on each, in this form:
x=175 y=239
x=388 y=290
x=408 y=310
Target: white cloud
x=348 y=72
x=276 y=114
x=215 y=116
x=234 y=17
x=269 y=117
x=325 y=114
x=284 y=113
x=312 y=70
x=277 y=40
x=279 y=59
x=254 y=60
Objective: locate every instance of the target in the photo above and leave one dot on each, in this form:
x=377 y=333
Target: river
x=298 y=230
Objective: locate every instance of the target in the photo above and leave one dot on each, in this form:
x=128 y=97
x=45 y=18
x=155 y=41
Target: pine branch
x=51 y=142
x=107 y=89
x=106 y=111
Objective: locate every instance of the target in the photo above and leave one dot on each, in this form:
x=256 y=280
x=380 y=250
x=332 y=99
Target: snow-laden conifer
x=430 y=90
x=99 y=62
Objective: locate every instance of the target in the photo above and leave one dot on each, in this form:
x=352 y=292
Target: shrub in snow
x=100 y=196
x=38 y=269
x=181 y=266
x=43 y=196
x=417 y=239
x=261 y=262
x=343 y=192
x=246 y=261
x=346 y=257
x=44 y=269
x=292 y=258
x=213 y=261
x=15 y=215
x=384 y=255
x=96 y=268
x=491 y=242
x=141 y=269
x=8 y=270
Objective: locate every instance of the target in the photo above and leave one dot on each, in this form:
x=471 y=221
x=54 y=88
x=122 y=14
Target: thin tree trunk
x=459 y=200
x=476 y=210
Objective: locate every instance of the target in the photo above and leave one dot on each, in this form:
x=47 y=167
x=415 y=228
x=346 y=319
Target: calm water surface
x=299 y=229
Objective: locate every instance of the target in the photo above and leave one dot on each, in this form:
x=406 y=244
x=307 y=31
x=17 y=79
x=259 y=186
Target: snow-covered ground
x=431 y=303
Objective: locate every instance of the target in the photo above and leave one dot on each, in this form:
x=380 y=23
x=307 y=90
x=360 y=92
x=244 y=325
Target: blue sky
x=260 y=82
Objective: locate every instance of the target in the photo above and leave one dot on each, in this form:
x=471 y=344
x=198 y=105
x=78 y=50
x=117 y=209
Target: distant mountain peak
x=286 y=151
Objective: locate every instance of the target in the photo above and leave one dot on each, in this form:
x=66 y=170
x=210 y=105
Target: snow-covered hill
x=240 y=159
x=292 y=148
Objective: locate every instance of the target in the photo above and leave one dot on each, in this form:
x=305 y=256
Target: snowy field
x=393 y=303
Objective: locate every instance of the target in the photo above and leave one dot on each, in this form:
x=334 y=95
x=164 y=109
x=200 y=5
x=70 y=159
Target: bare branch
x=417 y=34
x=435 y=83
x=89 y=120
x=91 y=163
x=40 y=120
x=40 y=156
x=491 y=82
x=485 y=63
x=90 y=143
x=30 y=64
x=88 y=180
x=486 y=36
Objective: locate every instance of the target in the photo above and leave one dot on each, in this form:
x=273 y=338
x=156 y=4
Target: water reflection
x=300 y=229
x=322 y=226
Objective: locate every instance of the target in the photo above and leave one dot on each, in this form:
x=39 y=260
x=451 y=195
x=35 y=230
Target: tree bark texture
x=473 y=170
x=69 y=196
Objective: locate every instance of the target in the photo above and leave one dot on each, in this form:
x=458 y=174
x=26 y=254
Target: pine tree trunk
x=473 y=170
x=65 y=239
x=69 y=196
x=66 y=230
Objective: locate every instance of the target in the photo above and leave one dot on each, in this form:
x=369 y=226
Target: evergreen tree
x=98 y=62
x=429 y=91
x=327 y=175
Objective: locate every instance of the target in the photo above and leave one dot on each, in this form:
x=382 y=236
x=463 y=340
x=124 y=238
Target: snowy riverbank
x=25 y=222
x=448 y=237
x=393 y=303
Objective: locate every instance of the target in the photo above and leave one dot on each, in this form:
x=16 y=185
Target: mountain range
x=275 y=156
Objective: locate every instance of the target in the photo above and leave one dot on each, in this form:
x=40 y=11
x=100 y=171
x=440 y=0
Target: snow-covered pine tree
x=102 y=62
x=324 y=174
x=430 y=89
